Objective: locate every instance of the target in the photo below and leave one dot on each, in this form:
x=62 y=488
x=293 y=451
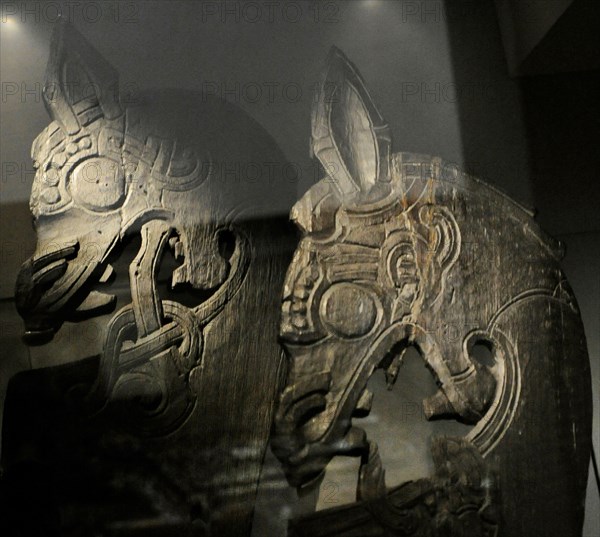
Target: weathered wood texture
x=403 y=250
x=174 y=415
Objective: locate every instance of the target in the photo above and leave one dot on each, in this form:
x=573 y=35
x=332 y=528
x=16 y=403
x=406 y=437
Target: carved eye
x=348 y=310
x=98 y=184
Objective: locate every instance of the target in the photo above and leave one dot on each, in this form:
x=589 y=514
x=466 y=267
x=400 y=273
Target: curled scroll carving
x=386 y=259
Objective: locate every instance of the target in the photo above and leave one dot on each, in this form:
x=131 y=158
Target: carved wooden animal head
x=105 y=169
x=157 y=166
x=182 y=171
x=402 y=250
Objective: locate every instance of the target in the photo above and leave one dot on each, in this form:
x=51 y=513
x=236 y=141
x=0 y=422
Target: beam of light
x=9 y=23
x=371 y=3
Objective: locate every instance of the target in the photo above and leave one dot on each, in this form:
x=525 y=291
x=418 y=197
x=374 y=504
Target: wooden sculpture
x=175 y=413
x=386 y=257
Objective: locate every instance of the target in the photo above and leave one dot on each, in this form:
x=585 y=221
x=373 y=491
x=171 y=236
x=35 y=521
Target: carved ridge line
x=524 y=295
x=492 y=427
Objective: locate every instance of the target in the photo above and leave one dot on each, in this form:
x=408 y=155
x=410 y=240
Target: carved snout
x=48 y=285
x=302 y=411
x=36 y=276
x=300 y=401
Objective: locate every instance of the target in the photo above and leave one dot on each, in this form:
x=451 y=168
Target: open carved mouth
x=314 y=423
x=461 y=477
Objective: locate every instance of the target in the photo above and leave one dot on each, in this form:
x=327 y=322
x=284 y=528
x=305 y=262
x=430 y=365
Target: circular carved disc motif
x=98 y=184
x=348 y=310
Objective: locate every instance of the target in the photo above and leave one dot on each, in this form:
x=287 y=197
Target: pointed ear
x=77 y=79
x=349 y=136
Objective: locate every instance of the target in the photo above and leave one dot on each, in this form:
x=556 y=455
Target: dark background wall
x=437 y=69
